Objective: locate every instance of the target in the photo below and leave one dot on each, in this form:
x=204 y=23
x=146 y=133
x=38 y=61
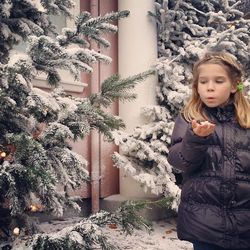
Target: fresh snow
x=161 y=238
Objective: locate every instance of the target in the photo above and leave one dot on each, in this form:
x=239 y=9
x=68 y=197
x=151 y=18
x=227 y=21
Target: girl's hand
x=202 y=128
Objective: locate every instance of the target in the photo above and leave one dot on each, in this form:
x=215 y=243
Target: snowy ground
x=162 y=238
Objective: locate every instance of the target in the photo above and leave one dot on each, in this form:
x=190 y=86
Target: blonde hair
x=195 y=108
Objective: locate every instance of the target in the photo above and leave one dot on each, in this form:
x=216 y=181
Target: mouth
x=210 y=99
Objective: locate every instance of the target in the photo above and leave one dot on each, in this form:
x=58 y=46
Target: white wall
x=137 y=52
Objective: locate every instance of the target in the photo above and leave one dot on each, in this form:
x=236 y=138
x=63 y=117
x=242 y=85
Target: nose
x=210 y=86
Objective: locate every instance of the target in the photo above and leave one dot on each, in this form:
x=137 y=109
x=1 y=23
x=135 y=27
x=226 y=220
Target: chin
x=212 y=105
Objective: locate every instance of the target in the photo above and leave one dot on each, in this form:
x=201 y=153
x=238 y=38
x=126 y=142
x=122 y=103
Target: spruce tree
x=186 y=30
x=36 y=126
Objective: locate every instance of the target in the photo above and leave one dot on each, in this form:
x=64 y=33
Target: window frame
x=67 y=81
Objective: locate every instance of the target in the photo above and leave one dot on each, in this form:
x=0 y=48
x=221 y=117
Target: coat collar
x=223 y=114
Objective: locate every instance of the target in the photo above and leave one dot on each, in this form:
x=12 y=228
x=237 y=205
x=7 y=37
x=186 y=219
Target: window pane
x=59 y=22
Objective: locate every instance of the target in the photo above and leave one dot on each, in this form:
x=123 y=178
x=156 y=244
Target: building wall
x=133 y=50
x=137 y=40
x=93 y=147
x=100 y=153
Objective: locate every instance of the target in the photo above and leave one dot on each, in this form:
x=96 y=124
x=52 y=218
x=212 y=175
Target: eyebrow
x=214 y=77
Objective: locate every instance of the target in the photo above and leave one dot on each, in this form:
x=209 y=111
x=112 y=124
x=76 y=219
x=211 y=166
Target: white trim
x=71 y=86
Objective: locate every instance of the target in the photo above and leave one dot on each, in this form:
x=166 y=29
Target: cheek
x=198 y=89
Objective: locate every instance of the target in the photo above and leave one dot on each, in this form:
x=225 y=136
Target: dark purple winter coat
x=215 y=199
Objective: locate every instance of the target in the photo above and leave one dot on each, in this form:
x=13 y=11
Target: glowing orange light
x=16 y=231
x=34 y=208
x=3 y=154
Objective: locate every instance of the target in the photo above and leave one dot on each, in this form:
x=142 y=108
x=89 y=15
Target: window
x=67 y=80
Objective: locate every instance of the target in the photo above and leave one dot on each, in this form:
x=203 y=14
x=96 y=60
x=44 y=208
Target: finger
x=204 y=126
x=211 y=129
x=211 y=126
x=194 y=124
x=207 y=124
x=205 y=130
x=199 y=130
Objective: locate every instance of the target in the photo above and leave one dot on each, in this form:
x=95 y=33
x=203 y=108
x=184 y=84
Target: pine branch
x=87 y=234
x=48 y=55
x=91 y=28
x=129 y=218
x=114 y=88
x=164 y=202
x=58 y=7
x=107 y=124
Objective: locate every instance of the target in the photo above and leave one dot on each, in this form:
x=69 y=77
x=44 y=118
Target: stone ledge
x=154 y=213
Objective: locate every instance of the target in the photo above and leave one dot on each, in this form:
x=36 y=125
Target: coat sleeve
x=187 y=151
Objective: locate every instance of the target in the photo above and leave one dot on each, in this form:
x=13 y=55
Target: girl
x=211 y=145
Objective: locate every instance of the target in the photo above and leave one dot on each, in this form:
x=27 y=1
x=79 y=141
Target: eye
x=202 y=82
x=219 y=81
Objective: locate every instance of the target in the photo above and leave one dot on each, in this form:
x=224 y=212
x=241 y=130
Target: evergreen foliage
x=37 y=126
x=186 y=30
x=87 y=234
x=244 y=6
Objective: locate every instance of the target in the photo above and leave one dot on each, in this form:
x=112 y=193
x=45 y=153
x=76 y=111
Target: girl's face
x=214 y=85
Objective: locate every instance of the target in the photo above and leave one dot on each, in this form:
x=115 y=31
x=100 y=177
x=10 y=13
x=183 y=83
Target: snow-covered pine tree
x=36 y=126
x=88 y=233
x=186 y=30
x=244 y=6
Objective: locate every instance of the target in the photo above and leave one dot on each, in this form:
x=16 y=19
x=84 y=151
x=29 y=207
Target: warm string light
x=16 y=231
x=2 y=154
x=6 y=157
x=8 y=154
x=231 y=26
x=35 y=208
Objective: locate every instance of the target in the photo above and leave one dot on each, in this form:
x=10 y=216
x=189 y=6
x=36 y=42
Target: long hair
x=194 y=109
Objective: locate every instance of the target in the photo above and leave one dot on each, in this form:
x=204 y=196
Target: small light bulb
x=3 y=154
x=33 y=208
x=16 y=231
